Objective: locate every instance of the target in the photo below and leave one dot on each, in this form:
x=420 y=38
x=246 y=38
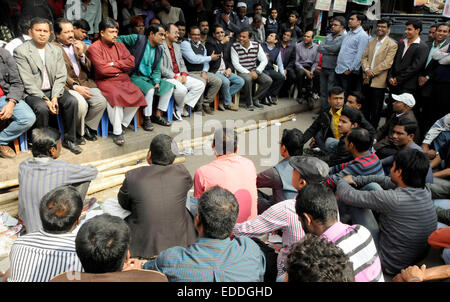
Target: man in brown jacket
x=91 y=102
x=376 y=61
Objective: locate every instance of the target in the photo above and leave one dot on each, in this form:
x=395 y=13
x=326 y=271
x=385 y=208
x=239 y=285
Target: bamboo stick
x=8 y=196
x=107 y=160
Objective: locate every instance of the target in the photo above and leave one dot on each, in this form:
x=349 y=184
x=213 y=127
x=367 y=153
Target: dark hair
x=318 y=201
x=272 y=9
x=360 y=138
x=38 y=20
x=366 y=26
x=153 y=28
x=83 y=24
x=360 y=16
x=294 y=12
x=435 y=25
x=414 y=165
x=161 y=148
x=216 y=26
x=180 y=23
x=335 y=90
x=441 y=24
x=315 y=259
x=59 y=209
x=358 y=96
x=107 y=23
x=193 y=27
x=102 y=244
x=24 y=25
x=341 y=20
x=388 y=22
x=225 y=141
x=292 y=139
x=288 y=30
x=155 y=18
x=409 y=125
x=246 y=29
x=202 y=20
x=353 y=114
x=57 y=26
x=218 y=211
x=42 y=140
x=272 y=32
x=256 y=5
x=416 y=23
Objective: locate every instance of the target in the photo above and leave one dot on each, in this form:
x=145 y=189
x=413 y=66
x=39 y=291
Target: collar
x=439 y=45
x=66 y=46
x=269 y=46
x=356 y=30
x=337 y=112
x=416 y=41
x=304 y=45
x=271 y=21
x=196 y=44
x=382 y=40
x=334 y=231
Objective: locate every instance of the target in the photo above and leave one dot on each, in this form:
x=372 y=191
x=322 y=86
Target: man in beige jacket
x=376 y=62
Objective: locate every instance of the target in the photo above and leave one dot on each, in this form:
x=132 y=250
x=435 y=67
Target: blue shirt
x=352 y=49
x=212 y=260
x=192 y=57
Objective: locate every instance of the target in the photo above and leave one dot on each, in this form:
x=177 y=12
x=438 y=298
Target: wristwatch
x=13 y=101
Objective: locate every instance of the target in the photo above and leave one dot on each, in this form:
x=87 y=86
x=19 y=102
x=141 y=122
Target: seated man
x=402 y=107
x=441 y=182
x=43 y=72
x=437 y=136
x=281 y=216
x=314 y=259
x=230 y=171
x=279 y=177
x=188 y=89
x=157 y=221
x=80 y=30
x=146 y=75
x=102 y=245
x=273 y=52
x=197 y=64
x=407 y=215
x=12 y=106
x=208 y=259
x=112 y=62
x=91 y=102
x=42 y=172
x=317 y=210
x=354 y=100
x=358 y=143
x=44 y=253
x=244 y=56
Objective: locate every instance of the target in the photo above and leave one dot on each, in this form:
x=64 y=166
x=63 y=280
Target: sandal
x=118 y=139
x=160 y=120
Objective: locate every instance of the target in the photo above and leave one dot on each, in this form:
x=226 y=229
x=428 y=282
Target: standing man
x=112 y=62
x=146 y=75
x=187 y=90
x=273 y=52
x=204 y=31
x=197 y=63
x=170 y=14
x=349 y=59
x=43 y=72
x=228 y=19
x=287 y=50
x=243 y=20
x=329 y=49
x=292 y=24
x=91 y=102
x=306 y=62
x=376 y=62
x=244 y=54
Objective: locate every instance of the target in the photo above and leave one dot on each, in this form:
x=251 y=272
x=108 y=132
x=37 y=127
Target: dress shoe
x=232 y=107
x=250 y=107
x=90 y=134
x=257 y=104
x=80 y=141
x=7 y=152
x=273 y=100
x=264 y=101
x=147 y=125
x=74 y=148
x=221 y=107
x=207 y=109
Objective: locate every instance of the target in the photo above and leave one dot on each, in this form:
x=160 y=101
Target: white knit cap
x=447 y=120
x=406 y=98
x=241 y=4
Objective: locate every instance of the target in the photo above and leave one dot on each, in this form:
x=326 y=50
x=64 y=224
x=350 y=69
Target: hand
x=228 y=72
x=52 y=105
x=4 y=275
x=78 y=47
x=370 y=74
x=225 y=18
x=214 y=56
x=309 y=74
x=312 y=144
x=349 y=180
x=205 y=76
x=285 y=74
x=422 y=81
x=7 y=111
x=413 y=273
x=347 y=72
x=156 y=86
x=83 y=90
x=254 y=75
x=393 y=81
x=430 y=153
x=132 y=264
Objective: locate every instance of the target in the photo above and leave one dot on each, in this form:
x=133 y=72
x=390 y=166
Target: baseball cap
x=312 y=169
x=406 y=98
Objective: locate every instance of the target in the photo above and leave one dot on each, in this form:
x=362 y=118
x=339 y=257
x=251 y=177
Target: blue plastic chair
x=102 y=129
x=23 y=142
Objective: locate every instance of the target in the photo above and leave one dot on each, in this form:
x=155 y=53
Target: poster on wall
x=323 y=5
x=421 y=2
x=446 y=11
x=339 y=6
x=363 y=2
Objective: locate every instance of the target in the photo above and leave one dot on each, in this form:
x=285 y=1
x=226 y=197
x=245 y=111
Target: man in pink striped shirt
x=317 y=210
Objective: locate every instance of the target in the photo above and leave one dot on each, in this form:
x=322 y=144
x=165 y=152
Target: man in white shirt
x=24 y=26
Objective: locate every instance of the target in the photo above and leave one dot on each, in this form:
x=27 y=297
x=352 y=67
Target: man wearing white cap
x=402 y=106
x=243 y=20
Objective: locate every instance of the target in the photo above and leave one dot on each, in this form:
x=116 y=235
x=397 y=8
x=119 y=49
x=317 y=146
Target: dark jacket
x=289 y=56
x=384 y=133
x=340 y=156
x=225 y=49
x=10 y=80
x=429 y=71
x=298 y=33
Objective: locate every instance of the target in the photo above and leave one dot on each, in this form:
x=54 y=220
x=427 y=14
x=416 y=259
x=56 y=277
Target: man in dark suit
x=156 y=196
x=409 y=60
x=287 y=50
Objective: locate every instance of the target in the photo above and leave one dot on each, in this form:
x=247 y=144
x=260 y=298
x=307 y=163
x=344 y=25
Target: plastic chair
x=21 y=143
x=103 y=127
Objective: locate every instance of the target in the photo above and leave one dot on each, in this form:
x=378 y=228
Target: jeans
x=441 y=140
x=331 y=143
x=21 y=120
x=326 y=83
x=230 y=86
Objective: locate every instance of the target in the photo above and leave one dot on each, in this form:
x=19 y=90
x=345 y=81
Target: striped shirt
x=39 y=256
x=357 y=243
x=212 y=260
x=40 y=175
x=245 y=60
x=281 y=216
x=367 y=164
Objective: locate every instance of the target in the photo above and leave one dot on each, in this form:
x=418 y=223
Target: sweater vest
x=285 y=171
x=198 y=50
x=273 y=55
x=247 y=59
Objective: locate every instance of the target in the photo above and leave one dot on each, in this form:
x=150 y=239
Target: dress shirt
x=433 y=49
x=73 y=59
x=416 y=41
x=352 y=49
x=335 y=122
x=306 y=56
x=262 y=58
x=279 y=58
x=377 y=47
x=192 y=57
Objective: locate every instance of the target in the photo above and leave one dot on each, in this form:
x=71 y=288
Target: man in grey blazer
x=43 y=72
x=188 y=90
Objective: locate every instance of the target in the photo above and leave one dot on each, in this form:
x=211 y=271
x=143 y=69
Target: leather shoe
x=273 y=100
x=89 y=134
x=257 y=104
x=80 y=141
x=7 y=152
x=207 y=109
x=231 y=107
x=72 y=147
x=221 y=107
x=265 y=102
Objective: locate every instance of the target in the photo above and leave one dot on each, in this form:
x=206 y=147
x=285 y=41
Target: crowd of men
x=367 y=201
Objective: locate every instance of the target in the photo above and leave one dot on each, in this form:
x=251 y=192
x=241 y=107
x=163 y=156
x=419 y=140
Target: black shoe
x=90 y=134
x=148 y=126
x=257 y=104
x=160 y=120
x=272 y=100
x=207 y=109
x=265 y=101
x=299 y=100
x=80 y=141
x=71 y=146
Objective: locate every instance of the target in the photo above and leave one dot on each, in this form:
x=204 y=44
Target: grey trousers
x=440 y=188
x=90 y=111
x=264 y=82
x=212 y=87
x=326 y=83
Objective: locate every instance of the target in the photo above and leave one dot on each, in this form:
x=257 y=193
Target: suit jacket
x=156 y=196
x=84 y=78
x=407 y=69
x=137 y=275
x=289 y=57
x=427 y=89
x=31 y=68
x=383 y=60
x=166 y=62
x=10 y=80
